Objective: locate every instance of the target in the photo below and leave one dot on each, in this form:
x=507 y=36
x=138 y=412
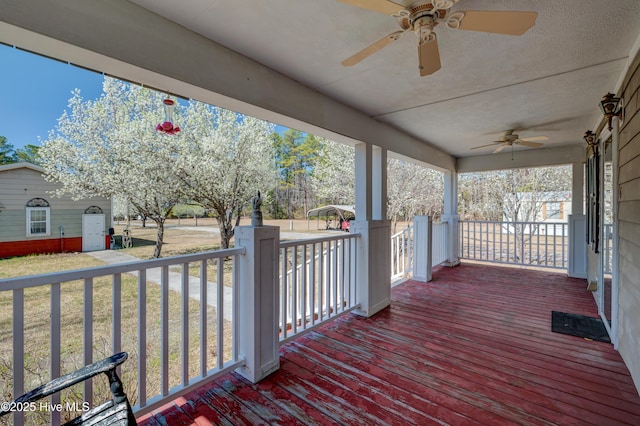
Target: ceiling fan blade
x=428 y=56
x=531 y=144
x=535 y=138
x=372 y=48
x=499 y=22
x=498 y=149
x=382 y=6
x=484 y=146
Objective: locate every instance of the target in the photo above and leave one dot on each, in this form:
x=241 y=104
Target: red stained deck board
x=267 y=396
x=487 y=367
x=576 y=349
x=553 y=405
x=399 y=401
x=472 y=346
x=462 y=387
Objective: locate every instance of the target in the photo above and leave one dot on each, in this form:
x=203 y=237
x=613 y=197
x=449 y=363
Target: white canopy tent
x=339 y=213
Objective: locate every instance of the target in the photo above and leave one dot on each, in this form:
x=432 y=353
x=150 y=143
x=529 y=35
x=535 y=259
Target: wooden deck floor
x=474 y=346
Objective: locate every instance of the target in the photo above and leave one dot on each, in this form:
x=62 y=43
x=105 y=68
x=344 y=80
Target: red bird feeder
x=168 y=127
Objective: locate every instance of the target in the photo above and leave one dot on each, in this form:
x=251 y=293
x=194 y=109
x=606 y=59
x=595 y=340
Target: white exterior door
x=93 y=232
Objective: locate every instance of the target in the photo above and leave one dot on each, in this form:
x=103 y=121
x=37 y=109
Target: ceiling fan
x=510 y=138
x=424 y=15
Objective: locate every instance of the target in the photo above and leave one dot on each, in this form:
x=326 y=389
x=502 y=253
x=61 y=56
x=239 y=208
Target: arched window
x=38 y=217
x=93 y=210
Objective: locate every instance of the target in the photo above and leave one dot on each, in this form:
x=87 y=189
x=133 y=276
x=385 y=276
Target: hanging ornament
x=168 y=127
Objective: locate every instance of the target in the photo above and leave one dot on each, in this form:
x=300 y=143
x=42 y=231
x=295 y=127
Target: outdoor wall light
x=610 y=107
x=590 y=137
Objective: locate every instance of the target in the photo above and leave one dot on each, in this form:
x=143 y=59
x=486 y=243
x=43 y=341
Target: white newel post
x=257 y=303
x=577 y=262
x=373 y=268
x=422 y=241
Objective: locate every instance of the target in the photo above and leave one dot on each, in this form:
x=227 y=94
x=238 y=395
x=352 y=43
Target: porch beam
x=561 y=155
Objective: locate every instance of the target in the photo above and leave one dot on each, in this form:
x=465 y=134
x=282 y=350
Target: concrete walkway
x=114 y=257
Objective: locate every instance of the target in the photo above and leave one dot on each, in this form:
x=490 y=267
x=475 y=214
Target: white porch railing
x=317 y=282
x=181 y=341
x=523 y=243
x=402 y=253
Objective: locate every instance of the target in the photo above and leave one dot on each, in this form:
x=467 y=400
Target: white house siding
x=629 y=224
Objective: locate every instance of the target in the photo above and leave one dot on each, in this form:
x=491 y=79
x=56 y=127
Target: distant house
x=32 y=220
x=553 y=206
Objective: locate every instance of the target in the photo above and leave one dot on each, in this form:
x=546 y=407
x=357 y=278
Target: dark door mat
x=579 y=325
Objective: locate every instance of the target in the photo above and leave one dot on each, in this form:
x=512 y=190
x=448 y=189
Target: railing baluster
x=54 y=339
x=342 y=281
x=142 y=338
x=203 y=317
x=220 y=312
x=303 y=287
x=334 y=285
x=564 y=241
x=18 y=350
x=294 y=290
x=354 y=268
x=522 y=243
x=164 y=331
x=283 y=291
x=184 y=281
x=235 y=299
x=327 y=278
x=554 y=245
x=313 y=285
x=116 y=314
x=494 y=241
x=321 y=277
x=87 y=340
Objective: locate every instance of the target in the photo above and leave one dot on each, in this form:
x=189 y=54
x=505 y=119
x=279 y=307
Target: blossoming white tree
x=226 y=158
x=333 y=179
x=110 y=147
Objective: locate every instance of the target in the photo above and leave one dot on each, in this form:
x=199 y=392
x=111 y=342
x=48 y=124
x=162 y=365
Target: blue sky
x=34 y=92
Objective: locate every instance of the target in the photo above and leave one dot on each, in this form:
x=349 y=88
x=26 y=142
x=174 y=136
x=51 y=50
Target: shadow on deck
x=473 y=346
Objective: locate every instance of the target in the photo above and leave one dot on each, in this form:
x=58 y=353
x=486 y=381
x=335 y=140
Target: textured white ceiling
x=546 y=82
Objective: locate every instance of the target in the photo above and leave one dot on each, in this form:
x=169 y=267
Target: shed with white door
x=34 y=220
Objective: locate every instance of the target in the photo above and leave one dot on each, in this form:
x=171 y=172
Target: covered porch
x=473 y=346
x=467 y=344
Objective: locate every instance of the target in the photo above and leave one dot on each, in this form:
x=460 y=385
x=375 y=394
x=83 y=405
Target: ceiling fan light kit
x=510 y=138
x=423 y=16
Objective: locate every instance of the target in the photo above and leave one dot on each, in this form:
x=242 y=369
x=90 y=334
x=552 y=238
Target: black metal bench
x=114 y=412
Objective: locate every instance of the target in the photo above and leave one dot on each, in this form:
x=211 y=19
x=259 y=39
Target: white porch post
x=422 y=255
x=577 y=188
x=373 y=278
x=450 y=215
x=379 y=183
x=257 y=302
x=577 y=260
